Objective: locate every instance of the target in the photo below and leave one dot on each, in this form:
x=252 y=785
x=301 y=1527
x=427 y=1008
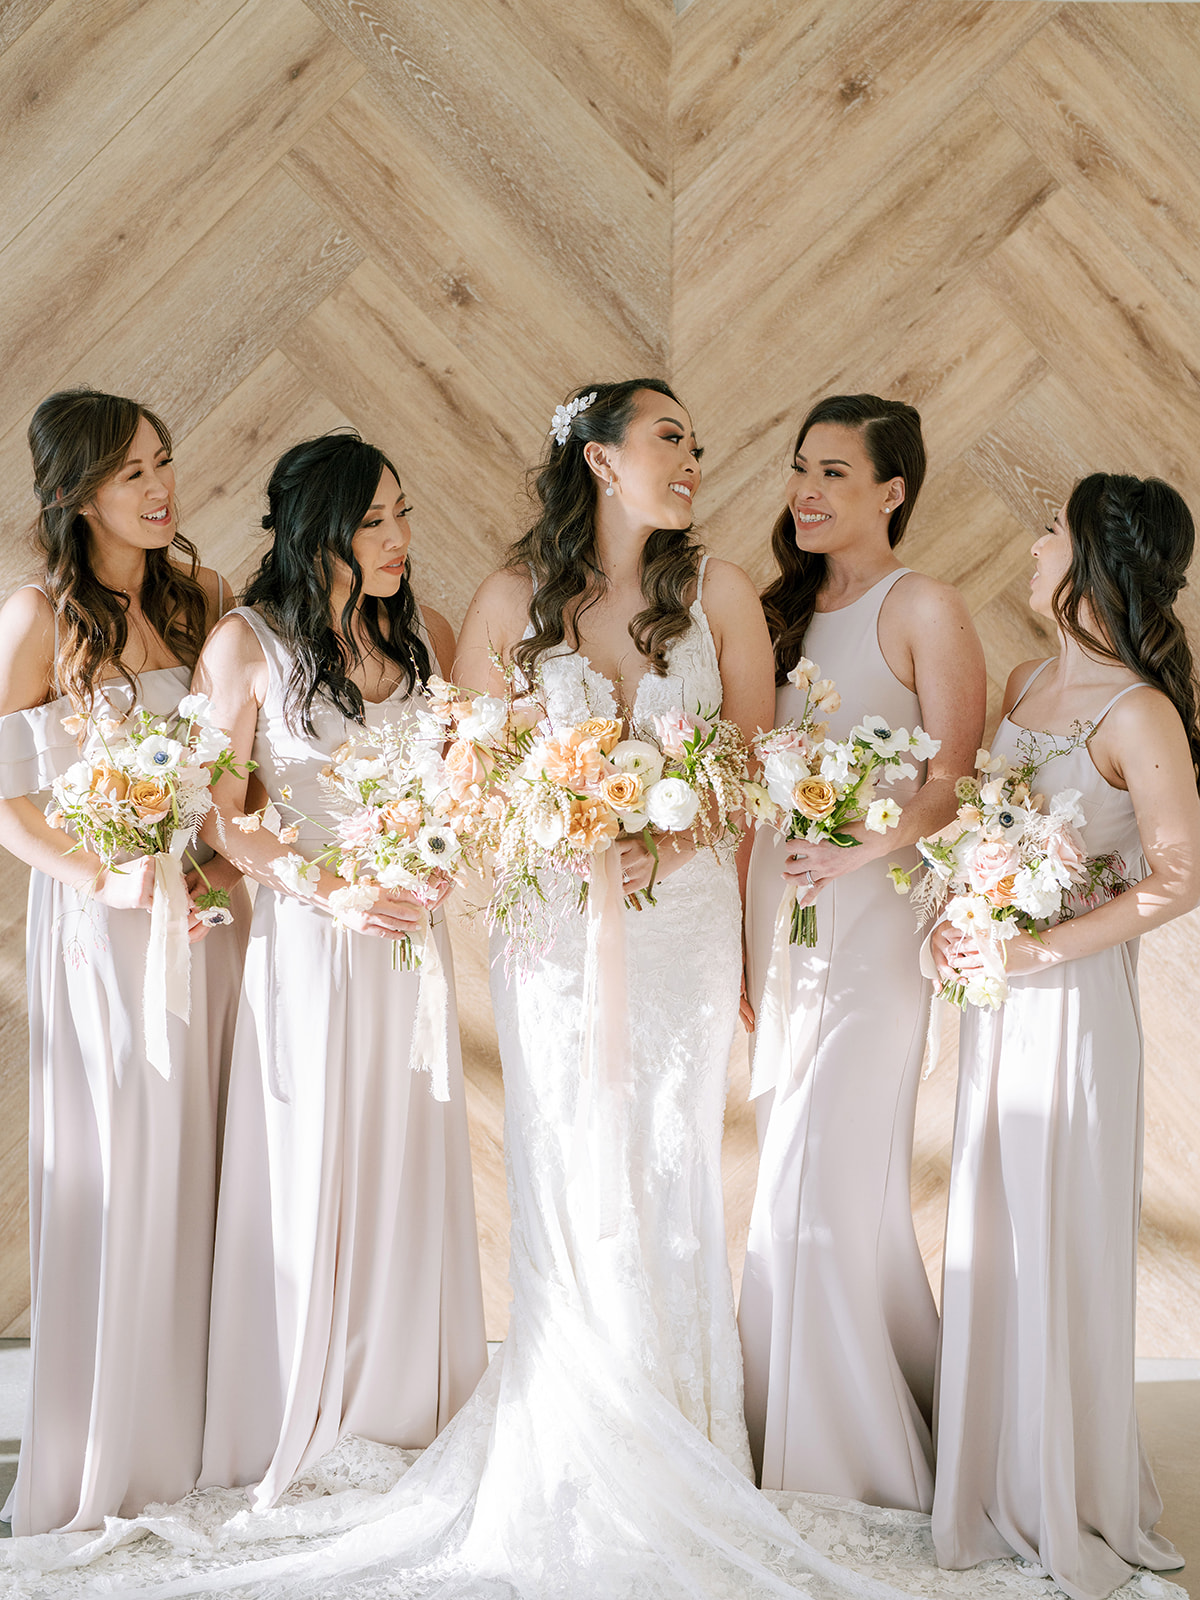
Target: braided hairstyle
x=559 y=550
x=318 y=495
x=78 y=440
x=1131 y=542
x=891 y=433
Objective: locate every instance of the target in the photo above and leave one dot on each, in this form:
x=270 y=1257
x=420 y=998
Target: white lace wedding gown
x=602 y=1456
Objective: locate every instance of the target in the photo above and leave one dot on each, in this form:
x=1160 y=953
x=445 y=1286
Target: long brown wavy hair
x=560 y=548
x=79 y=439
x=1131 y=543
x=892 y=438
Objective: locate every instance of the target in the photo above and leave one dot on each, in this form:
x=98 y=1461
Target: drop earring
x=610 y=491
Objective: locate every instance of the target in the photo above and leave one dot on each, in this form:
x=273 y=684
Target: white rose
x=370 y=769
x=671 y=804
x=638 y=757
x=987 y=991
x=782 y=771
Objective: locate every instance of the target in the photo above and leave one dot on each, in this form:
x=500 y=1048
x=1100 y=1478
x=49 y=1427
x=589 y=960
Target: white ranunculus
x=158 y=755
x=987 y=991
x=638 y=757
x=547 y=830
x=782 y=771
x=364 y=769
x=485 y=719
x=671 y=804
x=354 y=897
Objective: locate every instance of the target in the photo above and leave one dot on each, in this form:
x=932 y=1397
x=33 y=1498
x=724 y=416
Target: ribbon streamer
x=604 y=1047
x=773 y=1042
x=431 y=1026
x=168 y=959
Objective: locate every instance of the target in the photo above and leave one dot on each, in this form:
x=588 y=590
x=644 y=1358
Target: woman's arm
x=26 y=681
x=232 y=672
x=493 y=626
x=941 y=649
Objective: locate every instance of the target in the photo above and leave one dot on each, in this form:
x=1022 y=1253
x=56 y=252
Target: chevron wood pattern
x=274 y=217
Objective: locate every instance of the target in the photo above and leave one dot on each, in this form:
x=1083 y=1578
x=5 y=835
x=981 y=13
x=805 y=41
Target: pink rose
x=990 y=863
x=358 y=830
x=1065 y=848
x=674 y=728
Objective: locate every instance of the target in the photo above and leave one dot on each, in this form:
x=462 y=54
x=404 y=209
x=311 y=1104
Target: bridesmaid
x=838 y=1324
x=122 y=1161
x=346 y=1288
x=1038 y=1449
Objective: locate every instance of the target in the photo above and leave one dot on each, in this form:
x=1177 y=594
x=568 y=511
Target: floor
x=1168 y=1406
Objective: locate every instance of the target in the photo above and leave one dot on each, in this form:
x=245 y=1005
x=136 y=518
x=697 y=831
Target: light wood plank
x=55 y=121
x=489 y=111
x=150 y=195
x=1137 y=174
x=15 y=17
x=453 y=254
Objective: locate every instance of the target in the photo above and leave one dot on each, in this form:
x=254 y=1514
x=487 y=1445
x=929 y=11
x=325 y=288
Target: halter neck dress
x=346 y=1288
x=122 y=1176
x=838 y=1324
x=1037 y=1437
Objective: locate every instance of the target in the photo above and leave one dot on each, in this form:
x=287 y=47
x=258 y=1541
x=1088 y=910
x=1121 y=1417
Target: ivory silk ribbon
x=431 y=1026
x=604 y=1048
x=774 y=1045
x=168 y=958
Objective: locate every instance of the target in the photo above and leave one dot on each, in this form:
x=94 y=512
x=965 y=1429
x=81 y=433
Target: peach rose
x=592 y=826
x=990 y=863
x=622 y=791
x=151 y=802
x=1003 y=893
x=814 y=798
x=604 y=730
x=402 y=817
x=106 y=780
x=464 y=767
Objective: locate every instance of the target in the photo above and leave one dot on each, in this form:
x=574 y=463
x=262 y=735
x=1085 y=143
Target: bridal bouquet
x=387 y=782
x=142 y=788
x=542 y=799
x=814 y=787
x=1009 y=861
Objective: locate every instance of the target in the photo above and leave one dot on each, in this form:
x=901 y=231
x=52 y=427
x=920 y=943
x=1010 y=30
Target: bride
x=603 y=1455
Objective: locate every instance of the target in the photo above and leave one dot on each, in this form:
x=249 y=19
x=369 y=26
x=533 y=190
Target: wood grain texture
x=271 y=218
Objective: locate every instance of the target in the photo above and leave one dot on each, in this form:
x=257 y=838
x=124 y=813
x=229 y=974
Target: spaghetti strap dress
x=122 y=1177
x=838 y=1323
x=1037 y=1437
x=346 y=1288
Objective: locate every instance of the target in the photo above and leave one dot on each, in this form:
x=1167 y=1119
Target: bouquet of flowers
x=1009 y=862
x=388 y=782
x=540 y=799
x=814 y=787
x=142 y=786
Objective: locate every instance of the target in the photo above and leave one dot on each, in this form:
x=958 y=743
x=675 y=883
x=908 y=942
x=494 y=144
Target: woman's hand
x=128 y=887
x=745 y=1009
x=395 y=915
x=637 y=864
x=825 y=862
x=954 y=954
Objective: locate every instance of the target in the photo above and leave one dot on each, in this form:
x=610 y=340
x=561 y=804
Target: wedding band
x=809 y=876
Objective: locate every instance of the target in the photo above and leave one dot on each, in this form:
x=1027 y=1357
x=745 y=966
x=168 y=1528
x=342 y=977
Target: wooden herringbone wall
x=429 y=220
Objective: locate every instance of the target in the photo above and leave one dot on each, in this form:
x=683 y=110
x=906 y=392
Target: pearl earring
x=610 y=490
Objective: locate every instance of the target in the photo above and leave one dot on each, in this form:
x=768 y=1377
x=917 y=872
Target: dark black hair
x=560 y=548
x=892 y=439
x=318 y=495
x=1131 y=543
